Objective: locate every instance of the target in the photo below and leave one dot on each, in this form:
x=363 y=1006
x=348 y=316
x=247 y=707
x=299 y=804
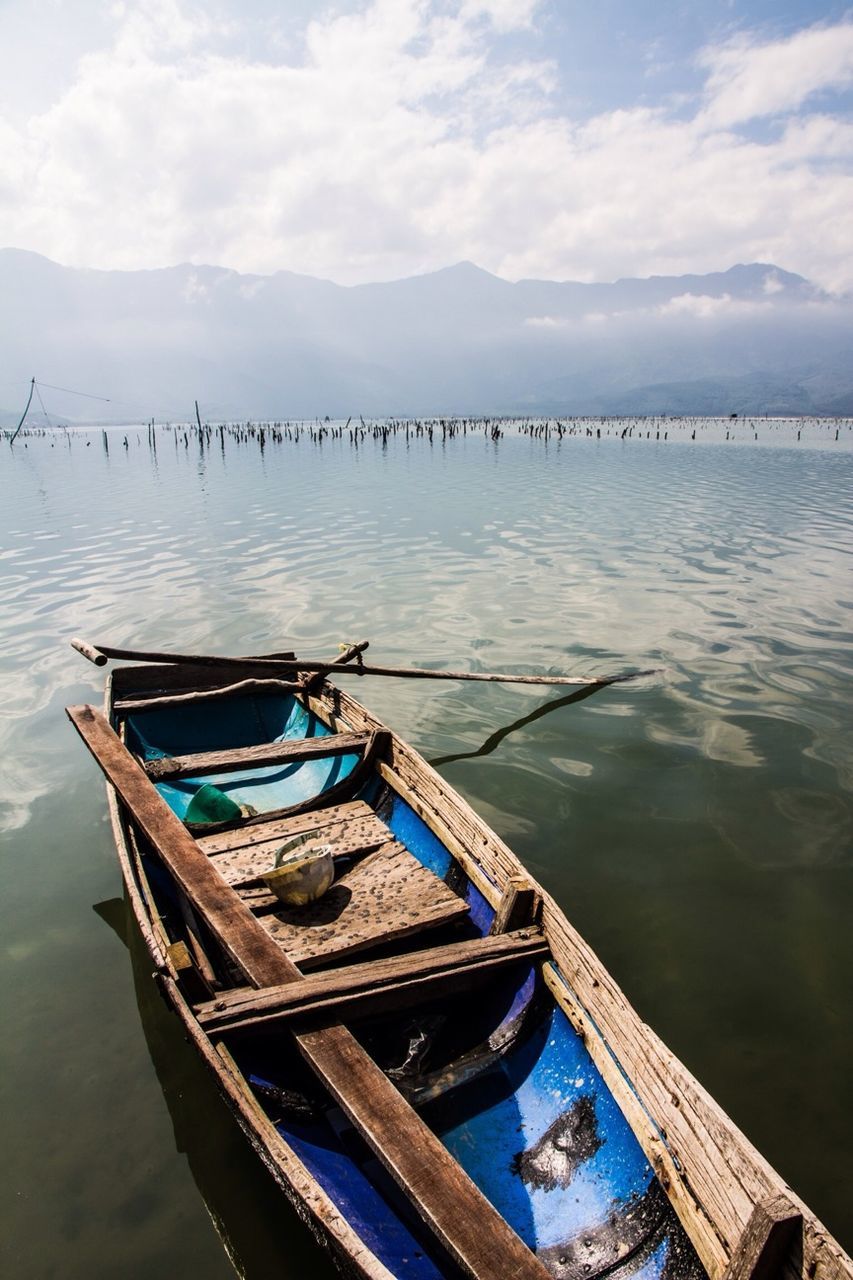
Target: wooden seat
x=240 y=856
x=264 y=754
x=389 y=895
x=362 y=990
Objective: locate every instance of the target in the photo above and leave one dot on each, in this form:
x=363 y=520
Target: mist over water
x=696 y=825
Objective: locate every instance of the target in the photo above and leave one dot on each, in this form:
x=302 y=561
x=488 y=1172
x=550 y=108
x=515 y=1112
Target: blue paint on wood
x=540 y=1081
x=414 y=833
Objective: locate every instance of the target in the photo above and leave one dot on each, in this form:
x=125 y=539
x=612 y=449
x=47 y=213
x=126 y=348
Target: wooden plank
x=257 y=757
x=769 y=1238
x=387 y=896
x=192 y=659
x=518 y=906
x=304 y=1192
x=347 y=786
x=375 y=986
x=145 y=681
x=443 y=831
x=231 y=922
x=474 y=1234
x=281 y=829
x=201 y=957
x=469 y=1226
x=244 y=867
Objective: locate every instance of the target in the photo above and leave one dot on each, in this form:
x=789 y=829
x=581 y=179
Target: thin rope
x=44 y=411
x=49 y=387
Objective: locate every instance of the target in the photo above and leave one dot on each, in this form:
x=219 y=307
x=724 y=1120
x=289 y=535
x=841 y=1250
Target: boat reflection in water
x=259 y=1230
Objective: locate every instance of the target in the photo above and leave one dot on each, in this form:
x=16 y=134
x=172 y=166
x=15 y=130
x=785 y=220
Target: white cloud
x=748 y=80
x=393 y=140
x=703 y=306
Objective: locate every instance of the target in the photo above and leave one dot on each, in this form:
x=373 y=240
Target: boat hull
x=557 y=1114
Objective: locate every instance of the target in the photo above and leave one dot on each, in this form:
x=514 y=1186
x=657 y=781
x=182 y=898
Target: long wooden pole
x=100 y=655
x=339 y=668
x=26 y=410
x=494 y=677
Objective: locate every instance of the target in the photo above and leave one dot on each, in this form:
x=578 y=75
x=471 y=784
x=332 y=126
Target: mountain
x=751 y=339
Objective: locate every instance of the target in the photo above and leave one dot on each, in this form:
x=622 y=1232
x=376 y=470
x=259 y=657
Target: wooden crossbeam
x=376 y=744
x=768 y=1239
x=258 y=757
x=375 y=986
x=478 y=1238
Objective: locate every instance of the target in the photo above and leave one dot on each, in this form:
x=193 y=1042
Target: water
x=695 y=825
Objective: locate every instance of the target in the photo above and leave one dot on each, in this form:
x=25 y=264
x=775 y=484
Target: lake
x=695 y=824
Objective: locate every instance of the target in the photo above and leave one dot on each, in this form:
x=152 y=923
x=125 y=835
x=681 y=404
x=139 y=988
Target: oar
x=100 y=653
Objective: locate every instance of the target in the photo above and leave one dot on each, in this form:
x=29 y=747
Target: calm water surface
x=696 y=825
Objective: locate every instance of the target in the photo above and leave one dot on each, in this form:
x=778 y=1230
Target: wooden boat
x=435 y=1067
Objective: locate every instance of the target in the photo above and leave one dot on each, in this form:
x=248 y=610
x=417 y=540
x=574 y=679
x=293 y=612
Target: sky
x=376 y=139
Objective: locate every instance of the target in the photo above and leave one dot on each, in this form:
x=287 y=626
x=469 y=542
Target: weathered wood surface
x=293 y=751
x=243 y=868
x=647 y=1133
x=333 y=795
x=474 y=1233
x=469 y=864
x=773 y=1232
x=375 y=986
x=353 y=651
x=309 y=666
x=277 y=830
x=202 y=960
x=491 y=677
x=89 y=652
x=181 y=659
x=145 y=681
x=388 y=895
x=519 y=905
x=306 y=1195
x=715 y=1176
x=230 y=921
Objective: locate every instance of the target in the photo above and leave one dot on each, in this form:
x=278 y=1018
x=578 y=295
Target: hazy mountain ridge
x=751 y=339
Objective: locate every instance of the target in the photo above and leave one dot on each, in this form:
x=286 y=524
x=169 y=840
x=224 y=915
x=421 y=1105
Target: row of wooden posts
x=356 y=432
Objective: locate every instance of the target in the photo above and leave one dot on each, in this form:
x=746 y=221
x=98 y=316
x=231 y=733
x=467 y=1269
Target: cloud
x=747 y=80
x=403 y=135
x=702 y=306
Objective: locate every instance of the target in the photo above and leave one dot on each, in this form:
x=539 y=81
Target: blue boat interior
x=240 y=722
x=500 y=1075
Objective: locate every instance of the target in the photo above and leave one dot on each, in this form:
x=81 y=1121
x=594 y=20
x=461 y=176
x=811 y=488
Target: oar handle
x=89 y=651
